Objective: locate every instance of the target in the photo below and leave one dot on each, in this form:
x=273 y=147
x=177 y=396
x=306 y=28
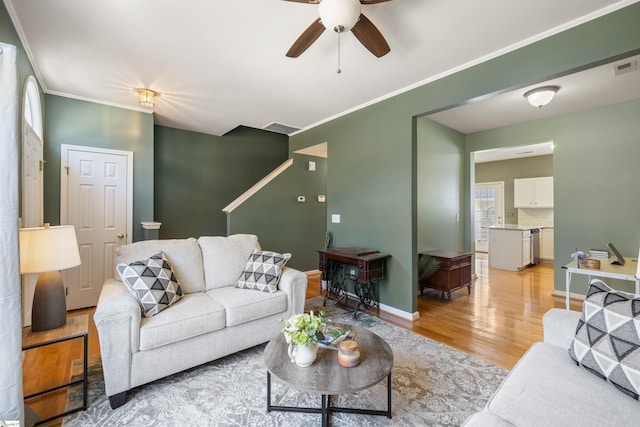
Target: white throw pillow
x=262 y=271
x=153 y=283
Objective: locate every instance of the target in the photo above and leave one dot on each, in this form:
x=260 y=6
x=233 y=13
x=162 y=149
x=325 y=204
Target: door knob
x=120 y=236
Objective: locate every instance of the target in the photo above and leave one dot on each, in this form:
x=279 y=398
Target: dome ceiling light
x=541 y=96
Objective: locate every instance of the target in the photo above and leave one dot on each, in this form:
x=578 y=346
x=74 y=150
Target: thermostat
x=321 y=198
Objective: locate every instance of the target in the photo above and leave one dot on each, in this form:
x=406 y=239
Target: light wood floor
x=497 y=322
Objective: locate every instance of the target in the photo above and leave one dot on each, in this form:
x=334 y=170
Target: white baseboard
x=563 y=294
x=411 y=317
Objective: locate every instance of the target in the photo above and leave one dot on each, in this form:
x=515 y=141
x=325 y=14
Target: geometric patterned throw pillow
x=607 y=340
x=262 y=271
x=153 y=283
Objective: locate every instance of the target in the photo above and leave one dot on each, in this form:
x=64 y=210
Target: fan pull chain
x=339 y=70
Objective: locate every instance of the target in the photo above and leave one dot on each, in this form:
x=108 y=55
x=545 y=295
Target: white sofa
x=213 y=318
x=547 y=388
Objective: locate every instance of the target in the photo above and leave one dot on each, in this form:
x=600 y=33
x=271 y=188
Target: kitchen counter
x=515 y=227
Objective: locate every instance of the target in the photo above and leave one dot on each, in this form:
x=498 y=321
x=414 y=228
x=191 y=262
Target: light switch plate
x=301 y=199
x=312 y=166
x=335 y=218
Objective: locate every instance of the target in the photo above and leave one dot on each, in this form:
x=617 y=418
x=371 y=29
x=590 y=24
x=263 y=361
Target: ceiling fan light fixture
x=339 y=15
x=541 y=96
x=146 y=97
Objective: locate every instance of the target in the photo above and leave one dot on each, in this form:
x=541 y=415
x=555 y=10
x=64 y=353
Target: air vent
x=280 y=128
x=625 y=67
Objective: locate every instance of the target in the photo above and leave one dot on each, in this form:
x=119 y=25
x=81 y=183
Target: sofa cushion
x=225 y=257
x=262 y=271
x=607 y=341
x=152 y=282
x=547 y=388
x=183 y=254
x=485 y=418
x=242 y=306
x=197 y=314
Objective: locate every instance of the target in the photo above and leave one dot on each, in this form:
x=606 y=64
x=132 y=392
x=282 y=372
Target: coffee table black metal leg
x=389 y=396
x=325 y=410
x=268 y=392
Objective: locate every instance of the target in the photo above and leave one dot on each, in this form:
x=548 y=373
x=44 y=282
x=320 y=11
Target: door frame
x=64 y=181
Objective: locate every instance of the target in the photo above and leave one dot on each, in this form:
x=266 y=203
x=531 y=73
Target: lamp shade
x=45 y=249
x=541 y=96
x=339 y=15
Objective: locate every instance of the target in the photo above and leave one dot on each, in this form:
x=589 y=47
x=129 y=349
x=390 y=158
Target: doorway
x=488 y=211
x=96 y=196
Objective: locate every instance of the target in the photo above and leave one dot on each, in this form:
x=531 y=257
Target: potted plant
x=427 y=265
x=302 y=332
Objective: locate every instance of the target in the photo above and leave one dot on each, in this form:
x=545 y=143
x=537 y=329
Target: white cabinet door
x=523 y=193
x=525 y=253
x=543 y=190
x=546 y=244
x=533 y=192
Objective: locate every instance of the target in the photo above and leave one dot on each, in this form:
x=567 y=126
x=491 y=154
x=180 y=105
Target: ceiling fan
x=341 y=16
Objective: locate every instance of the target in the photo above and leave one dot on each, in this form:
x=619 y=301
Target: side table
x=453 y=273
x=76 y=327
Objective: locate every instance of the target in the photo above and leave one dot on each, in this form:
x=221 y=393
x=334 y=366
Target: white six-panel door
x=96 y=197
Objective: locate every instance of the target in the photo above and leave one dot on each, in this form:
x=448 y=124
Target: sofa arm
x=117 y=318
x=294 y=283
x=560 y=326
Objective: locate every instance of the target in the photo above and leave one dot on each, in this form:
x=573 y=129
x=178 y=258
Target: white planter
x=303 y=355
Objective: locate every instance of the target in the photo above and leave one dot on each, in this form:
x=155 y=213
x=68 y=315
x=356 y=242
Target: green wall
x=281 y=222
x=596 y=174
x=507 y=171
x=197 y=175
x=372 y=171
x=74 y=122
x=440 y=181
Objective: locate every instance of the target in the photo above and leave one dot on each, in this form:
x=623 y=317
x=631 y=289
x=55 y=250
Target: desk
x=628 y=271
x=76 y=327
x=367 y=268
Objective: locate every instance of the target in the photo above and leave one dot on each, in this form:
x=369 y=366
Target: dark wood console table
x=454 y=272
x=365 y=267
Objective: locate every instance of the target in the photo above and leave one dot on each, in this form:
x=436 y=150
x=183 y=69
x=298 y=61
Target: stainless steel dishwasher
x=535 y=245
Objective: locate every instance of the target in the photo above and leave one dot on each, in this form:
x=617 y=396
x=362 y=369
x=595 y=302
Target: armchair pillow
x=607 y=340
x=153 y=283
x=262 y=271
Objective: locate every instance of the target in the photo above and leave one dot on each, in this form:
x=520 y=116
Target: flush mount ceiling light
x=147 y=97
x=541 y=96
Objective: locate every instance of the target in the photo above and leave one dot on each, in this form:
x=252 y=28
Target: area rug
x=432 y=385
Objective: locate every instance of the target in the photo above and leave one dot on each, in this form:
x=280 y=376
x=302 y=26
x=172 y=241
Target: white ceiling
x=219 y=64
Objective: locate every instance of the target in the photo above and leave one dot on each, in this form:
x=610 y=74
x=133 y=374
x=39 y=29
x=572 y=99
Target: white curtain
x=11 y=404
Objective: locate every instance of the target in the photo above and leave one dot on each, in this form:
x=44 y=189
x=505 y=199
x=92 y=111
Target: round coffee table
x=327 y=377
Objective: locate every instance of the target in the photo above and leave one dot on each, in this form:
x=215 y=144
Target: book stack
x=599 y=253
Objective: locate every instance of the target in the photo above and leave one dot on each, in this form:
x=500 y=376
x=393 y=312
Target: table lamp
x=47 y=250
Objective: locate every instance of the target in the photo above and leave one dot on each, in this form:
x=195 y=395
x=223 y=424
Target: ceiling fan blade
x=370 y=37
x=364 y=1
x=313 y=1
x=306 y=39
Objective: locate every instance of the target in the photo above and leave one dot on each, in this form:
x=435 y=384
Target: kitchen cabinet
x=509 y=248
x=546 y=244
x=533 y=192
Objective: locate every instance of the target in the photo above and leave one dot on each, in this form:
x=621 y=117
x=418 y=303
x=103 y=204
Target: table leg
x=85 y=374
x=268 y=392
x=389 y=396
x=567 y=285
